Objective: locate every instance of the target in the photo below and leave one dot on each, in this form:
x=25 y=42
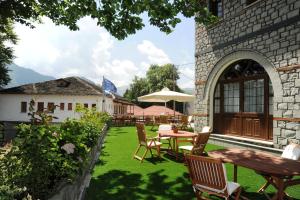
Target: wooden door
x=242 y=103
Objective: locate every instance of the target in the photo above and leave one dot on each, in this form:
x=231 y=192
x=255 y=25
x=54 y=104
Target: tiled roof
x=159 y=110
x=63 y=86
x=154 y=110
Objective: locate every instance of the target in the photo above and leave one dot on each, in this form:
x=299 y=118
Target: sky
x=93 y=53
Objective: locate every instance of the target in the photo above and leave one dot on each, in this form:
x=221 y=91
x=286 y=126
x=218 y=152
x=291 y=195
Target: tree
x=162 y=76
x=6 y=52
x=157 y=77
x=119 y=17
x=138 y=87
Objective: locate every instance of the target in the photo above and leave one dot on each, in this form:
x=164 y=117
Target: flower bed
x=44 y=157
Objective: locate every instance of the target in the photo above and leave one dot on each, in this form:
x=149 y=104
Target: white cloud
x=187 y=75
x=153 y=53
x=57 y=51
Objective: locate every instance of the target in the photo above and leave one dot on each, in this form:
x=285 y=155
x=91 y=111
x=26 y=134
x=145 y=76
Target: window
x=40 y=106
x=86 y=105
x=248 y=2
x=216 y=7
x=62 y=106
x=271 y=95
x=93 y=105
x=254 y=96
x=51 y=107
x=69 y=106
x=23 y=107
x=217 y=99
x=231 y=97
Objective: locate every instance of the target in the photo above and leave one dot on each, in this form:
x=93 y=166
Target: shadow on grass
x=120 y=185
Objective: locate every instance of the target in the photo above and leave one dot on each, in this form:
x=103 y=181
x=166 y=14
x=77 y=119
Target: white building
x=63 y=94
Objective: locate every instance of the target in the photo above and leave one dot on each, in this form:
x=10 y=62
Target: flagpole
x=104 y=100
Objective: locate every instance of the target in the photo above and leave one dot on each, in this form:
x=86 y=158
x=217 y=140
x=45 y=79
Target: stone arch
x=225 y=61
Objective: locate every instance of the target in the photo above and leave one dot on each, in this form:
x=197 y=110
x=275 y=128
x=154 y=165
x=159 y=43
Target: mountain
x=189 y=90
x=121 y=90
x=20 y=76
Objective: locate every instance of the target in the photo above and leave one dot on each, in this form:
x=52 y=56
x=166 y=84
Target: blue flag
x=108 y=87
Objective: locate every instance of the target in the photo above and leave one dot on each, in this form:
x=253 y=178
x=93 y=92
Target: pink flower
x=69 y=148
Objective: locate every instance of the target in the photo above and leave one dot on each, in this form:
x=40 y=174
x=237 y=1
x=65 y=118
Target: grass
x=117 y=176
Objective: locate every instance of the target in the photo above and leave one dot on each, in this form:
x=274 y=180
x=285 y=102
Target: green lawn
x=118 y=176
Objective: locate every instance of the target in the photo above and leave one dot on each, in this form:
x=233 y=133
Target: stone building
x=248 y=70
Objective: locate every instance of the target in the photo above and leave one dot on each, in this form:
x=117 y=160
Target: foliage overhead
x=119 y=17
x=157 y=77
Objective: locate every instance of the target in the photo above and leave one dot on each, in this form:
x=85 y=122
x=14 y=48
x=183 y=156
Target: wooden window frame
x=50 y=107
x=40 y=107
x=70 y=106
x=62 y=106
x=216 y=12
x=23 y=107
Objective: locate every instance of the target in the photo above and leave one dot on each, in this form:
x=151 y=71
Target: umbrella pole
x=174 y=107
x=165 y=107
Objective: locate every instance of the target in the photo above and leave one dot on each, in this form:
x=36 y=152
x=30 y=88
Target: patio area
x=118 y=176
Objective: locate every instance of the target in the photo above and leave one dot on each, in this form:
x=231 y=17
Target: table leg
x=235 y=173
x=280 y=191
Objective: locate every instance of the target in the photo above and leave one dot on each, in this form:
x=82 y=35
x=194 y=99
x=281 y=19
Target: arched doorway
x=243 y=101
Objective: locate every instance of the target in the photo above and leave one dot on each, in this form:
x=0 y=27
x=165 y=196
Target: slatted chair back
x=156 y=119
x=147 y=120
x=184 y=119
x=200 y=143
x=207 y=173
x=140 y=129
x=163 y=119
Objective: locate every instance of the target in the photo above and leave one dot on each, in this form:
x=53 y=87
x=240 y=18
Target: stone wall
x=76 y=190
x=269 y=31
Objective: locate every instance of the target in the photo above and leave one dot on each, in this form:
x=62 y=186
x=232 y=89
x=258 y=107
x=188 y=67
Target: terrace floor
x=117 y=176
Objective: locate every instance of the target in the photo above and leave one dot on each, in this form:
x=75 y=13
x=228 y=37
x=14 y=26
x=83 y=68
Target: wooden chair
x=165 y=127
x=184 y=122
x=190 y=119
x=163 y=119
x=209 y=175
x=292 y=151
x=199 y=143
x=156 y=122
x=148 y=143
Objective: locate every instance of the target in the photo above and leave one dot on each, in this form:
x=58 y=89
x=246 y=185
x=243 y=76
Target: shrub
x=43 y=156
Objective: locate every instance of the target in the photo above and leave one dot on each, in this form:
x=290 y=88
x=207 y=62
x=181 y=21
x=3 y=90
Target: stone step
x=246 y=143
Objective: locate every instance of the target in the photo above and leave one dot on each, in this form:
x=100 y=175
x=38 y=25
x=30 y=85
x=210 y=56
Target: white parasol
x=166 y=95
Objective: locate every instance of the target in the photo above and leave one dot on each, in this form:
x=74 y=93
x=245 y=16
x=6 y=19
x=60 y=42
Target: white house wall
x=10 y=105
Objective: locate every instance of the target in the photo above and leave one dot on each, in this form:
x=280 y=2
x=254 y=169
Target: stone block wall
x=268 y=32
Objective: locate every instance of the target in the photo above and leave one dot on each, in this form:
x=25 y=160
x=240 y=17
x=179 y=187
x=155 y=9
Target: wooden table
x=265 y=164
x=177 y=138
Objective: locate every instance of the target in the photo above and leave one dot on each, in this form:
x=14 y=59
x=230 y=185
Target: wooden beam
x=200 y=114
x=288 y=68
x=286 y=119
x=200 y=82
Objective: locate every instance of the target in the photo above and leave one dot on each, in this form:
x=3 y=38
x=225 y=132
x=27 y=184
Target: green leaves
x=157 y=78
x=120 y=18
x=43 y=156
